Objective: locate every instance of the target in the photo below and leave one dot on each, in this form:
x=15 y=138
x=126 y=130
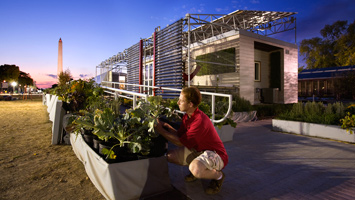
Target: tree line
x=335 y=48
x=12 y=73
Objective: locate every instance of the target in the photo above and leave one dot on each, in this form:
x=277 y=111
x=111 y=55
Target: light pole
x=13 y=85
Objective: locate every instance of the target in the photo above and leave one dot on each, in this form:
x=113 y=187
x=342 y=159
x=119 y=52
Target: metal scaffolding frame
x=204 y=26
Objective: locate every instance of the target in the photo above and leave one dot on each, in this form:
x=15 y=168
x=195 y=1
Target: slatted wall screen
x=133 y=67
x=168 y=59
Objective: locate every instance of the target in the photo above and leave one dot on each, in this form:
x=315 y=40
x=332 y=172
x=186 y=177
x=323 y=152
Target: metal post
x=188 y=49
x=213 y=107
x=295 y=32
x=134 y=101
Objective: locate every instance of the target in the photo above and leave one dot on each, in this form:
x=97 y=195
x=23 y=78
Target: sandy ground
x=32 y=168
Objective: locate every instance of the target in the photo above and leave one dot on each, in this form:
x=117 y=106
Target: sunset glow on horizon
x=92 y=31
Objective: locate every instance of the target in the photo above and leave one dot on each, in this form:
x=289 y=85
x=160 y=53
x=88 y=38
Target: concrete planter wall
x=310 y=129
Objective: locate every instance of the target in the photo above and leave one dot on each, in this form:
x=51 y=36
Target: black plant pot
x=96 y=144
x=106 y=145
x=159 y=146
x=88 y=136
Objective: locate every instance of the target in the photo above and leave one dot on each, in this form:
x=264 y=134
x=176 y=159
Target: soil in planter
x=122 y=154
x=104 y=145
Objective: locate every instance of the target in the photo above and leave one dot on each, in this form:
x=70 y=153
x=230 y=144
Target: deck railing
x=119 y=93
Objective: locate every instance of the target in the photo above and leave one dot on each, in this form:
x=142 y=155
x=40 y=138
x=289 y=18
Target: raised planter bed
x=126 y=180
x=310 y=129
x=56 y=114
x=225 y=133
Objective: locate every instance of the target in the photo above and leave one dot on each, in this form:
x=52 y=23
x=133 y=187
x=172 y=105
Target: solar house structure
x=230 y=53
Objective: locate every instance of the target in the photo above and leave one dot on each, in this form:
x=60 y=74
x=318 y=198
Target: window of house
x=257 y=71
x=218 y=62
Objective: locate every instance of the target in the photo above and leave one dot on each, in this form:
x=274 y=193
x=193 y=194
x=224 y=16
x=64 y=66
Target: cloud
x=52 y=75
x=83 y=75
x=45 y=84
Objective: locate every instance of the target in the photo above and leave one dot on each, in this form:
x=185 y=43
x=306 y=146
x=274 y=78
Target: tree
x=336 y=48
x=64 y=77
x=25 y=79
x=345 y=47
x=9 y=73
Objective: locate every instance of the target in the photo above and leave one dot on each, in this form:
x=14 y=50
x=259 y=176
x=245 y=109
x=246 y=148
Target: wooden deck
x=270 y=165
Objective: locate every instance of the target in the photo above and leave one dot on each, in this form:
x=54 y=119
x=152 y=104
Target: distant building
x=320 y=82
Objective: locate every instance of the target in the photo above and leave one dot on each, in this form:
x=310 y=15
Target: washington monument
x=60 y=57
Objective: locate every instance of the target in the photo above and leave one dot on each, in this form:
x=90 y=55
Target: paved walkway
x=264 y=164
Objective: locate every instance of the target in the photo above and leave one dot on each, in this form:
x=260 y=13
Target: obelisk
x=60 y=57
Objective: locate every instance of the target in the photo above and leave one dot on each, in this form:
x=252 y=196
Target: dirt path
x=32 y=168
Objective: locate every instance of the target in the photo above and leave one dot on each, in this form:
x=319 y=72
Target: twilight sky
x=94 y=30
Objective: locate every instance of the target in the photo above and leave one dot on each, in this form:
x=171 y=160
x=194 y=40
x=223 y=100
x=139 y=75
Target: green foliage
x=240 y=104
x=133 y=129
x=348 y=122
x=205 y=108
x=225 y=122
x=25 y=79
x=64 y=77
x=336 y=48
x=313 y=112
x=350 y=109
x=79 y=94
x=9 y=73
x=109 y=152
x=271 y=110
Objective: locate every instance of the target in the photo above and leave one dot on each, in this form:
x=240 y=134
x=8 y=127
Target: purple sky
x=94 y=30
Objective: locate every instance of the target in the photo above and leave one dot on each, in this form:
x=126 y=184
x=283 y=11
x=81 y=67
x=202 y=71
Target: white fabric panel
x=52 y=106
x=126 y=180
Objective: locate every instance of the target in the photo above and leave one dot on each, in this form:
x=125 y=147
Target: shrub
x=240 y=104
x=313 y=112
x=350 y=109
x=271 y=110
x=348 y=122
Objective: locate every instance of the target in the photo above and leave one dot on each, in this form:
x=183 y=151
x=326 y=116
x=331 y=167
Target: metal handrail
x=213 y=95
x=134 y=94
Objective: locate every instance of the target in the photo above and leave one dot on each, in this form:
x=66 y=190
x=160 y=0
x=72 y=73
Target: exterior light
x=13 y=85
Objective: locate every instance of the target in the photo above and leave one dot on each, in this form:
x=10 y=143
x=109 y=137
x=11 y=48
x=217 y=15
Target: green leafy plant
x=313 y=112
x=78 y=94
x=136 y=127
x=226 y=122
x=348 y=122
x=240 y=104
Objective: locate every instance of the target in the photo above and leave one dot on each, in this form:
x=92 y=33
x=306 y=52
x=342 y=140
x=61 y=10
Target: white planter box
x=125 y=180
x=225 y=133
x=310 y=129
